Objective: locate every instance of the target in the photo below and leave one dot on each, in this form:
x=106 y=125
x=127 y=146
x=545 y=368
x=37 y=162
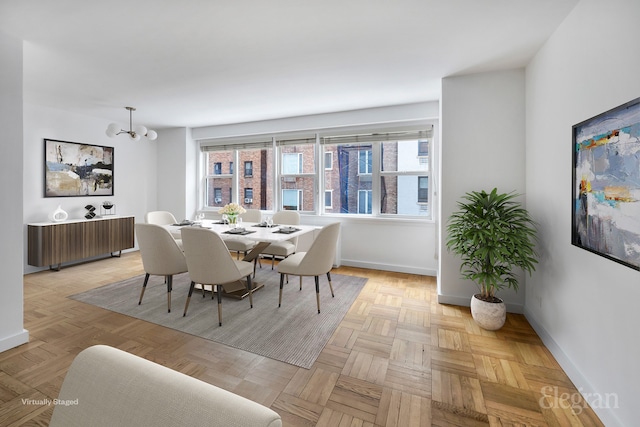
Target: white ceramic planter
x=488 y=315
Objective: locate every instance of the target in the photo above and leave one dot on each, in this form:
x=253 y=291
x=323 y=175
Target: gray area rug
x=294 y=333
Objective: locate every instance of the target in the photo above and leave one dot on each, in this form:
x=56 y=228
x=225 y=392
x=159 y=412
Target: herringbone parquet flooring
x=397 y=359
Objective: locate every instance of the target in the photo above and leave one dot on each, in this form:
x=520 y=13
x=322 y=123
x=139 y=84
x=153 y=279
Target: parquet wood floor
x=397 y=359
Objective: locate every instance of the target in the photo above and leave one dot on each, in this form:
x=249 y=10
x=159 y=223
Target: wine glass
x=239 y=222
x=225 y=219
x=269 y=222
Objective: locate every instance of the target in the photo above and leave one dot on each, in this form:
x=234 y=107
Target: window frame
x=372 y=167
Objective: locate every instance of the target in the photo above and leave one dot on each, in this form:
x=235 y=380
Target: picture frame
x=74 y=169
x=606 y=184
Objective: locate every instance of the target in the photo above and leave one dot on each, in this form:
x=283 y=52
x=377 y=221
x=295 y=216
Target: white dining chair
x=210 y=263
x=161 y=255
x=160 y=218
x=238 y=244
x=287 y=247
x=314 y=262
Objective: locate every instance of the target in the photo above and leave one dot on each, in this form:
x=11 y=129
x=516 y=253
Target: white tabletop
x=260 y=234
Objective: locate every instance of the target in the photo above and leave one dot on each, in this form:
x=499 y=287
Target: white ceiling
x=205 y=62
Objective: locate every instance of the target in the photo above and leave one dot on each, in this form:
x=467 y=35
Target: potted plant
x=493 y=235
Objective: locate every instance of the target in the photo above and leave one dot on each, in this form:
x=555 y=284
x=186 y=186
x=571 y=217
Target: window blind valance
x=245 y=145
x=378 y=137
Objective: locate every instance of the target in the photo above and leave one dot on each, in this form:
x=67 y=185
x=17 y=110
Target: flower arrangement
x=232 y=209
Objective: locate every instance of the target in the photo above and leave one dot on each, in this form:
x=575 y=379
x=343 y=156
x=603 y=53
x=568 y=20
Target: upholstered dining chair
x=210 y=263
x=161 y=255
x=316 y=261
x=238 y=244
x=287 y=247
x=160 y=218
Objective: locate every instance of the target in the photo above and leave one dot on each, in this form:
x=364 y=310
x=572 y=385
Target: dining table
x=261 y=233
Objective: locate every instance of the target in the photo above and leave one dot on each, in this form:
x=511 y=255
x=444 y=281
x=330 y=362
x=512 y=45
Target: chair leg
x=273 y=260
x=281 y=285
x=144 y=286
x=300 y=282
x=169 y=289
x=318 y=292
x=330 y=285
x=186 y=306
x=250 y=290
x=219 y=292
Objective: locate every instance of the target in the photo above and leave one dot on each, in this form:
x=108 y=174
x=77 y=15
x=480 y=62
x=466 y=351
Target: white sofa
x=110 y=387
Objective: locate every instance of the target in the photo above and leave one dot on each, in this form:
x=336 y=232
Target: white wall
x=483 y=146
x=135 y=171
x=583 y=305
x=12 y=332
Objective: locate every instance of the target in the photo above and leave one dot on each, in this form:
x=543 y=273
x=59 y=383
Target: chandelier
x=134 y=133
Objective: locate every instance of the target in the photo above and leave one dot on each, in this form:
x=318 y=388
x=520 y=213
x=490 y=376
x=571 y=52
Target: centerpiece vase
x=233 y=218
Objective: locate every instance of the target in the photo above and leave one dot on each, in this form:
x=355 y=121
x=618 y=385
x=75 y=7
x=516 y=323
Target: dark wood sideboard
x=54 y=243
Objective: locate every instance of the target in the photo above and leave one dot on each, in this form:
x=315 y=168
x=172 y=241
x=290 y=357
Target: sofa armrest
x=107 y=387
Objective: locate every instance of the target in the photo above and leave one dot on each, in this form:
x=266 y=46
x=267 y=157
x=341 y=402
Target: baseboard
x=466 y=302
x=606 y=415
x=388 y=267
x=12 y=341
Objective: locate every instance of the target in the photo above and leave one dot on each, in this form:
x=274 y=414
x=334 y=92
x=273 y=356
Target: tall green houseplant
x=493 y=235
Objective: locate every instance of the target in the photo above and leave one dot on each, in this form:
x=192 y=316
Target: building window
x=217 y=168
x=248 y=196
x=231 y=168
x=423 y=189
x=365 y=163
x=328 y=199
x=291 y=163
x=217 y=196
x=364 y=201
x=248 y=169
x=328 y=160
x=292 y=200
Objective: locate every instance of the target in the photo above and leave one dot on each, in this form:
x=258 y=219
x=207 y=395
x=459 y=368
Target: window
x=222 y=186
x=328 y=160
x=291 y=163
x=377 y=174
x=364 y=201
x=292 y=200
x=297 y=178
x=403 y=178
x=348 y=176
x=423 y=189
x=381 y=174
x=248 y=196
x=328 y=199
x=423 y=148
x=365 y=162
x=248 y=168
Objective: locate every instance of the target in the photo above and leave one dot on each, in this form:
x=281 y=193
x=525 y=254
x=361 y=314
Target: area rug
x=294 y=333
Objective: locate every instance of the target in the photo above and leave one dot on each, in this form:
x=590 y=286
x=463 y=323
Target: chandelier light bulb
x=135 y=133
x=140 y=130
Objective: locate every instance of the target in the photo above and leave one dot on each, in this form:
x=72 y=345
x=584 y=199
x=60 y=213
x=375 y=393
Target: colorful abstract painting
x=74 y=169
x=606 y=184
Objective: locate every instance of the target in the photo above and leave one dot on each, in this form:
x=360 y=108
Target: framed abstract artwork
x=73 y=169
x=606 y=184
